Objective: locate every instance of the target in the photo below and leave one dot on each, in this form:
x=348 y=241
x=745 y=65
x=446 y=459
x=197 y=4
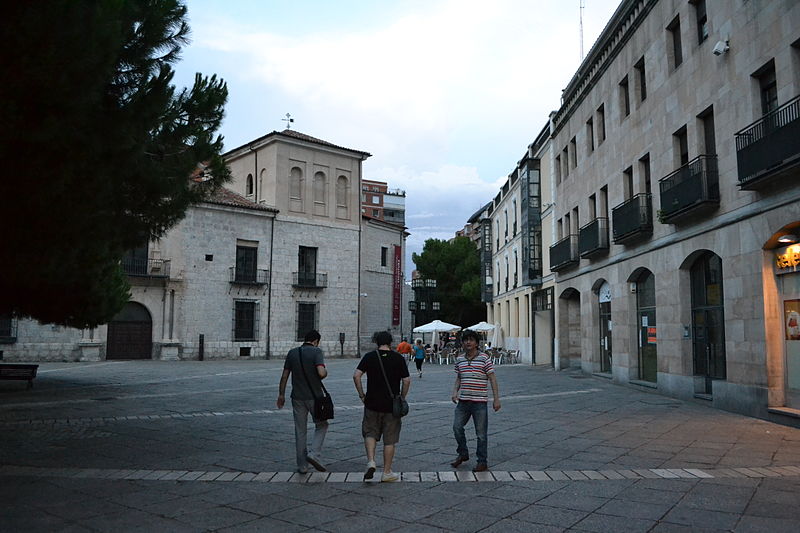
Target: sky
x=445 y=94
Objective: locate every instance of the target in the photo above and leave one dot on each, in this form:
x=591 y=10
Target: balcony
x=633 y=219
x=146 y=268
x=309 y=280
x=593 y=238
x=249 y=276
x=690 y=190
x=768 y=148
x=564 y=253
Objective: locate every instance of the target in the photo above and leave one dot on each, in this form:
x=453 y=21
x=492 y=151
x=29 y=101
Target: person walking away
x=378 y=421
x=405 y=349
x=474 y=371
x=306 y=365
x=419 y=356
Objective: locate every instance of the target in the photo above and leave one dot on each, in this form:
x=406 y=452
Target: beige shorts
x=377 y=424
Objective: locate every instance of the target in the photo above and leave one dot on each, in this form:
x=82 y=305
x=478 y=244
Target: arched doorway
x=130 y=334
x=708 y=319
x=646 y=323
x=604 y=314
x=569 y=329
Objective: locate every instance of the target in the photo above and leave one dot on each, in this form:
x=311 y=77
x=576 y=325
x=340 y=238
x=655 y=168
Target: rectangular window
x=709 y=137
x=384 y=256
x=307 y=266
x=558 y=170
x=601 y=123
x=244 y=321
x=624 y=97
x=560 y=230
x=376 y=213
x=376 y=200
x=627 y=182
x=306 y=319
x=680 y=146
x=675 y=50
x=565 y=157
x=641 y=80
x=702 y=20
x=644 y=169
x=592 y=207
x=246 y=263
x=590 y=135
x=768 y=87
x=604 y=201
x=573 y=148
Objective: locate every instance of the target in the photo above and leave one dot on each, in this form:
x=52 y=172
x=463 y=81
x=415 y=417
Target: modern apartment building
x=381 y=202
x=676 y=158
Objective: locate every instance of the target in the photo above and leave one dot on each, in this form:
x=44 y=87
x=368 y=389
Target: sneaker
x=388 y=477
x=370 y=470
x=459 y=460
x=481 y=467
x=313 y=461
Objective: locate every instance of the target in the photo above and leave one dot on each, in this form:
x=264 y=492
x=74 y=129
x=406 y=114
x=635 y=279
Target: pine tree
x=97 y=148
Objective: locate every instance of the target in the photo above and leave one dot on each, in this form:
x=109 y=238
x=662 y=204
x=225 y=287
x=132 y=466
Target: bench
x=18 y=371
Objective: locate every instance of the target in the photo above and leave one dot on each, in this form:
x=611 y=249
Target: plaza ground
x=200 y=446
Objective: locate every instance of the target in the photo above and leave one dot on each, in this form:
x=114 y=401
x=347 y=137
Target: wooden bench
x=19 y=371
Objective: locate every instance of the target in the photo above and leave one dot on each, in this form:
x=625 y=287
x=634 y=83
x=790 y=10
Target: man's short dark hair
x=382 y=337
x=312 y=336
x=469 y=334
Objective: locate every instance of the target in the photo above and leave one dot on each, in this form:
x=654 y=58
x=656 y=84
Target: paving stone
x=613 y=524
x=701 y=518
x=210 y=476
x=539 y=475
x=429 y=476
x=552 y=516
x=280 y=477
x=447 y=476
x=520 y=476
x=337 y=477
x=663 y=472
x=575 y=475
x=612 y=474
x=556 y=475
x=647 y=511
x=264 y=476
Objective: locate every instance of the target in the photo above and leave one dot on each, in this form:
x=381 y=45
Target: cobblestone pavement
x=200 y=446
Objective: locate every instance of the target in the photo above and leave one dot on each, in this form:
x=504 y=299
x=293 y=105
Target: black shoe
x=457 y=462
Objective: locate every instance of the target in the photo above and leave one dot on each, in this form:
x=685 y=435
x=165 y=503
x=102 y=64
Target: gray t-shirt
x=312 y=358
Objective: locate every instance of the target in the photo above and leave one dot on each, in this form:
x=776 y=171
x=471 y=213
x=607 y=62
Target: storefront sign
x=787 y=260
x=651 y=335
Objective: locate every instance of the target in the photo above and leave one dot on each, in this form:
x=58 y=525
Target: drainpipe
x=358 y=294
x=269 y=281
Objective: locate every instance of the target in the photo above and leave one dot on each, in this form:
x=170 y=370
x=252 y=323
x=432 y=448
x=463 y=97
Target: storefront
x=787 y=270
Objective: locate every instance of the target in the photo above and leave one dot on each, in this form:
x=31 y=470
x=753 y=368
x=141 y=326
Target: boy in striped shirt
x=474 y=372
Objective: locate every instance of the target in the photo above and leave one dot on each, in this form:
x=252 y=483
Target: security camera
x=720 y=48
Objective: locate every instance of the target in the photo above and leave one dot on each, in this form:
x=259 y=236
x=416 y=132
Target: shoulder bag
x=399 y=404
x=323 y=405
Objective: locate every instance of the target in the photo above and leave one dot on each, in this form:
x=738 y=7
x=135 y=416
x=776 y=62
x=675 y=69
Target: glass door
x=790 y=287
x=646 y=312
x=604 y=296
x=708 y=320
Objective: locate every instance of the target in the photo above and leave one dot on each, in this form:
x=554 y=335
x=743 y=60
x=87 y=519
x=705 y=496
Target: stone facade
x=247 y=273
x=650 y=120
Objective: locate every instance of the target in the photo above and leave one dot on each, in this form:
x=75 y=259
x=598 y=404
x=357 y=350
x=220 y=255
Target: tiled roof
x=294 y=134
x=223 y=196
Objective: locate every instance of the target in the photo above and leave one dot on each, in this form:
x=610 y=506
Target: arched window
x=320 y=187
x=296 y=183
x=341 y=192
x=249 y=185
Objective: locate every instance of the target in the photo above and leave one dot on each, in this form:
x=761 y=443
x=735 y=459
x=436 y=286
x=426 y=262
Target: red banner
x=397 y=285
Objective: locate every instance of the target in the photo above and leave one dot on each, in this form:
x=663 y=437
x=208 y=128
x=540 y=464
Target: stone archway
x=569 y=329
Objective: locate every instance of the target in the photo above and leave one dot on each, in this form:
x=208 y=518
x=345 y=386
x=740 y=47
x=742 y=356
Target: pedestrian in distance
x=405 y=349
x=419 y=356
x=474 y=372
x=381 y=366
x=306 y=365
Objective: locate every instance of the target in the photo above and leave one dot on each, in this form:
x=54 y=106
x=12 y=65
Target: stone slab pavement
x=200 y=446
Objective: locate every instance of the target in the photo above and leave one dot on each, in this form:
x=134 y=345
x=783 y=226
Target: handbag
x=399 y=404
x=323 y=405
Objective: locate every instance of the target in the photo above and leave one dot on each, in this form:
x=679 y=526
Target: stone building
x=515 y=229
x=675 y=158
x=248 y=272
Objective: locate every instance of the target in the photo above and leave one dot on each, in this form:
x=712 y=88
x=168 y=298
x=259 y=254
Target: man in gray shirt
x=305 y=372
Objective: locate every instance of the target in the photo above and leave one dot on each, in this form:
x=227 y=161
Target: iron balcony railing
x=593 y=237
x=769 y=145
x=693 y=186
x=564 y=253
x=149 y=268
x=633 y=218
x=249 y=276
x=310 y=280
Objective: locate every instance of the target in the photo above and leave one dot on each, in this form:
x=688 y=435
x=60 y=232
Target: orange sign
x=789 y=259
x=651 y=335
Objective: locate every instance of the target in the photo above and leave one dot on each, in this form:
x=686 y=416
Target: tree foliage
x=97 y=147
x=455 y=265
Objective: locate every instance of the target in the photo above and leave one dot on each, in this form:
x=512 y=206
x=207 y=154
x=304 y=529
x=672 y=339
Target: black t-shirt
x=378 y=398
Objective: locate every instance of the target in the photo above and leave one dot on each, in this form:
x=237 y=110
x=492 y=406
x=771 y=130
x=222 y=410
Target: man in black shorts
x=378 y=419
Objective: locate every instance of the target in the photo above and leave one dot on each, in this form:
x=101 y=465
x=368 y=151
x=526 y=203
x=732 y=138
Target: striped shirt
x=474 y=377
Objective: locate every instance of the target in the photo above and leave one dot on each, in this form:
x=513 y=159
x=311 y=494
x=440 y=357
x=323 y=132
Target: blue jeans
x=478 y=411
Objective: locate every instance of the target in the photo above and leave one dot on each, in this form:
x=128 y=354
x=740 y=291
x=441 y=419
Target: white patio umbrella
x=436 y=325
x=482 y=326
x=497 y=337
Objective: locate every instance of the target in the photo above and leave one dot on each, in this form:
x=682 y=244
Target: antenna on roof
x=288 y=120
x=582 y=6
